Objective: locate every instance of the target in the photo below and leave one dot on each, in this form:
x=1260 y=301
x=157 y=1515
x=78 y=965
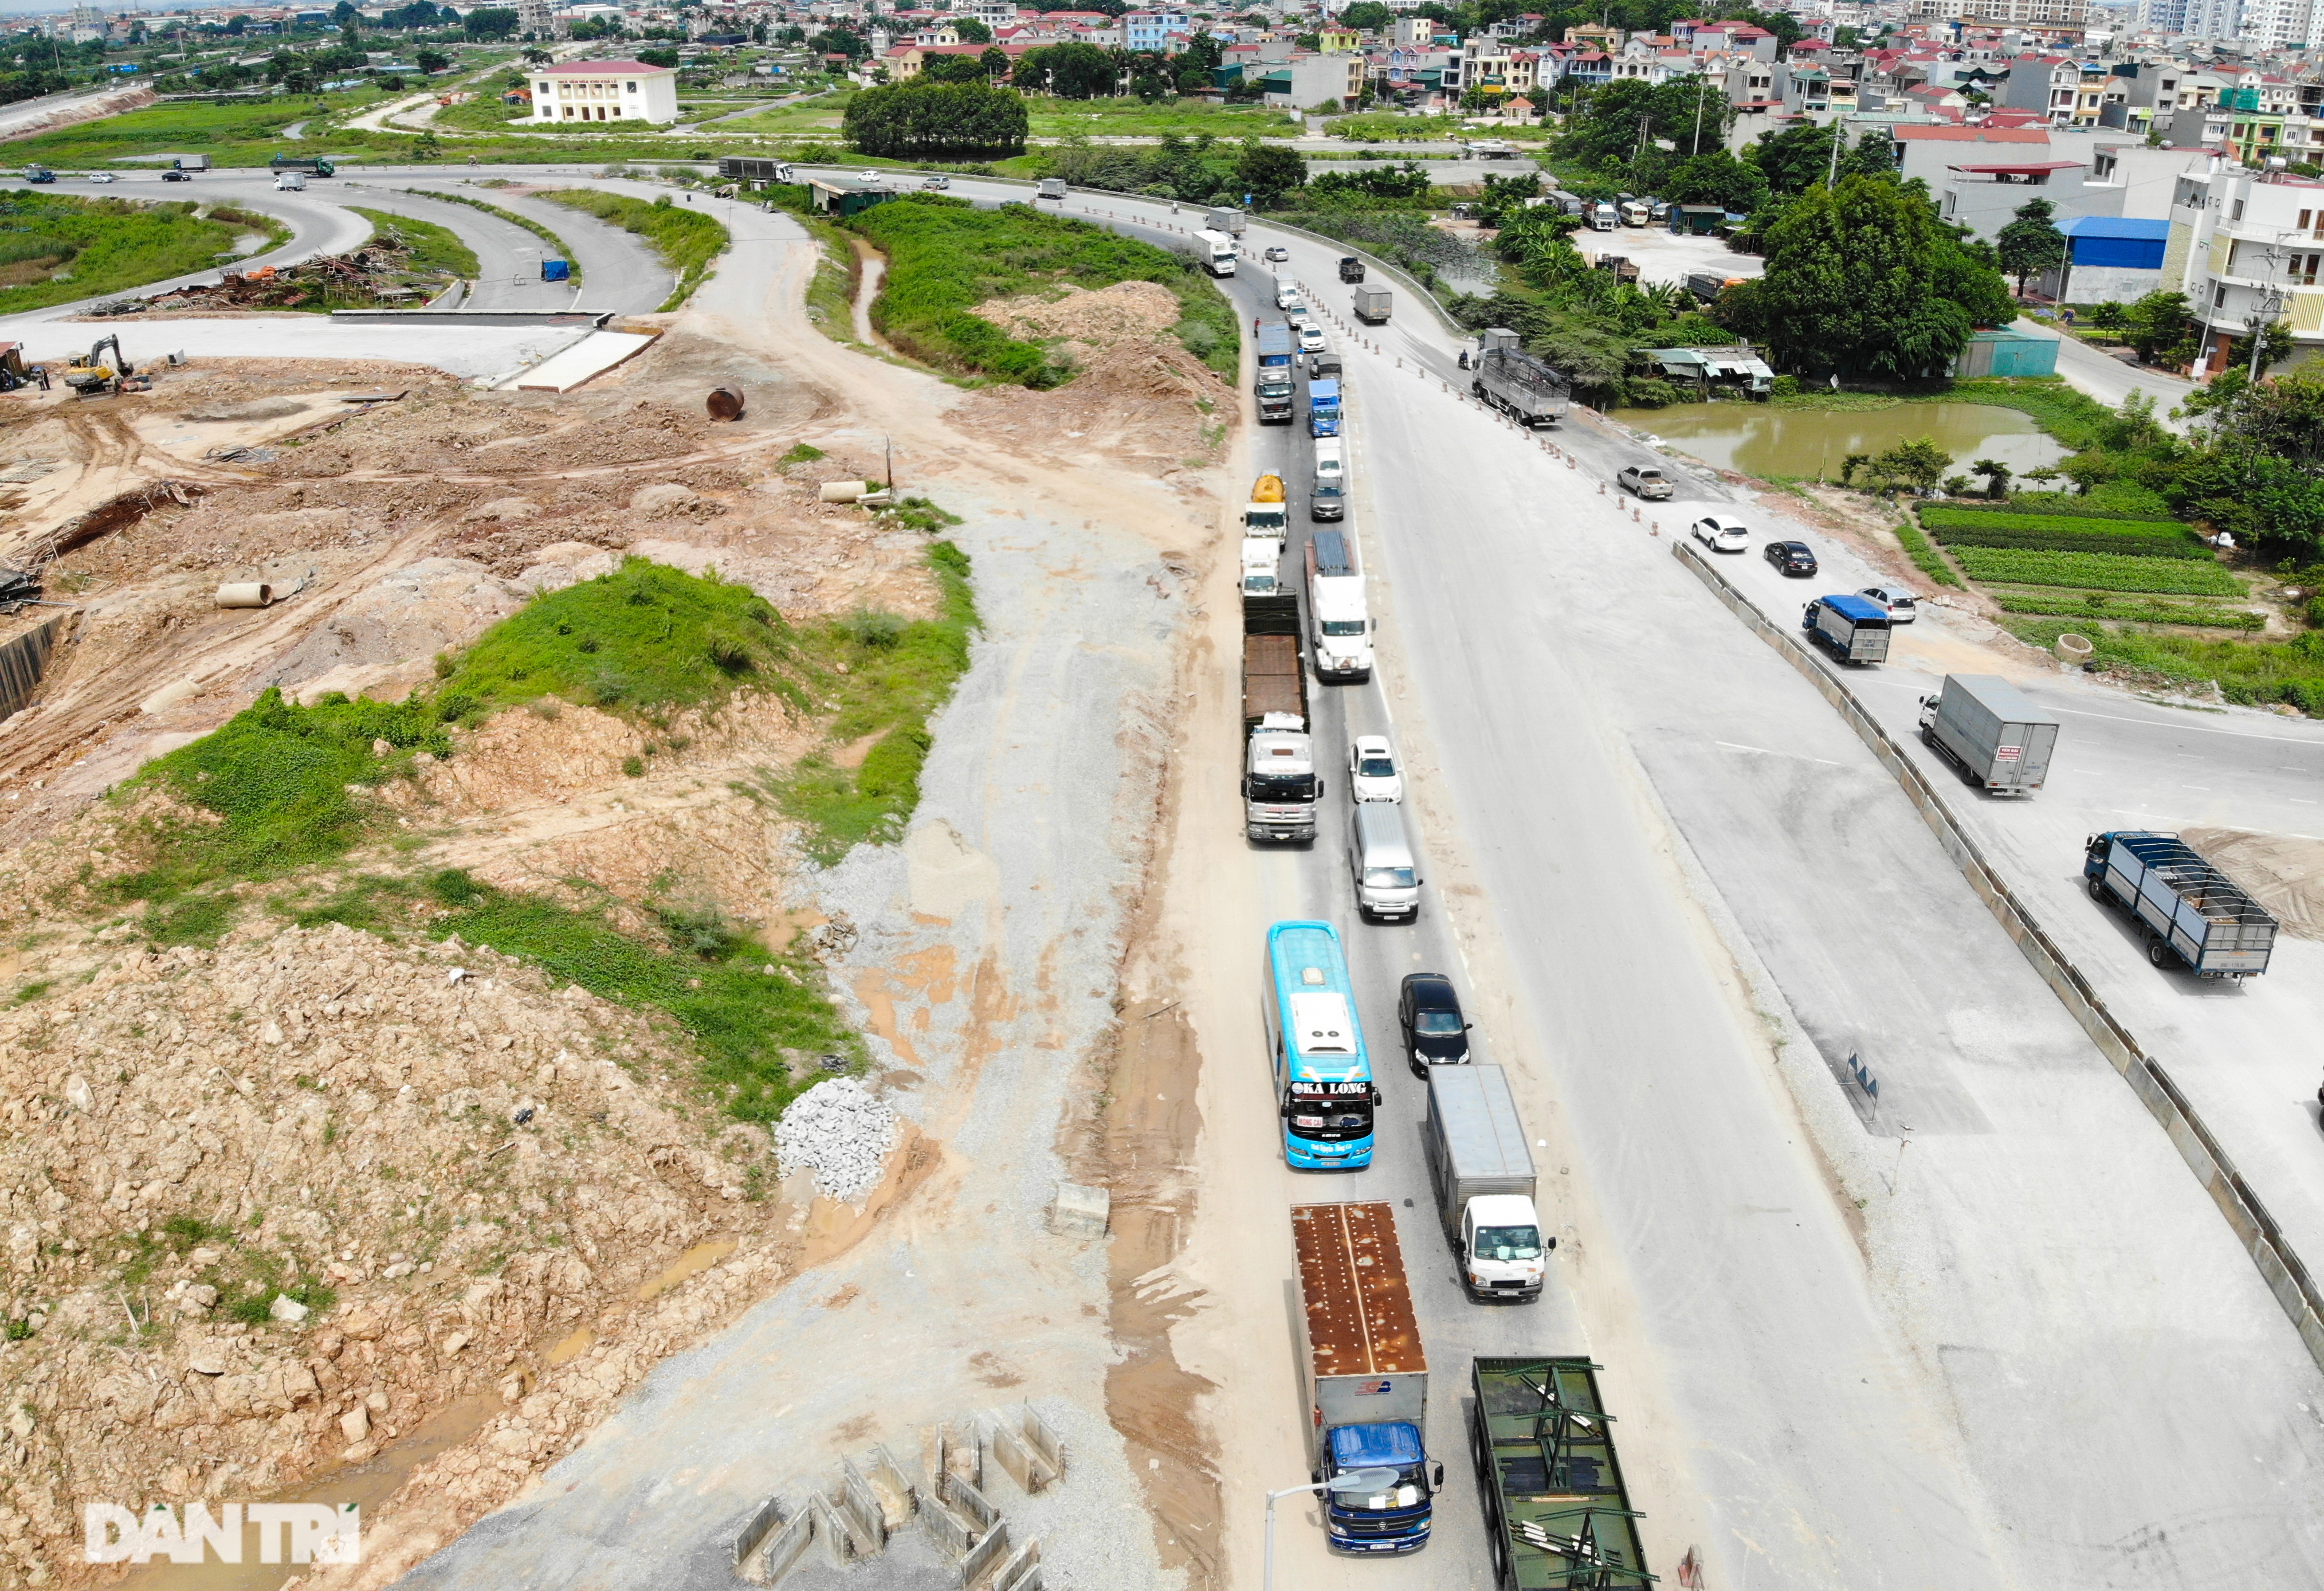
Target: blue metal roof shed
x=2117 y=242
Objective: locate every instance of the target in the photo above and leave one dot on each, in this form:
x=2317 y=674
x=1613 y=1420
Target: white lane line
x=2194 y=786
x=2195 y=728
x=2299 y=801
x=1764 y=752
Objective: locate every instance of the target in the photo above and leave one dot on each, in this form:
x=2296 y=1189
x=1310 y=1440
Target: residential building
x=2048 y=84
x=2109 y=257
x=1985 y=195
x=2248 y=248
x=604 y=90
x=534 y=18
x=1927 y=153
x=1306 y=82
x=1150 y=30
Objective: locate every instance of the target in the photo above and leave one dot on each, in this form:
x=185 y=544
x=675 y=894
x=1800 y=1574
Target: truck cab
x=1396 y=1517
x=1323 y=408
x=1267 y=514
x=1274 y=384
x=1262 y=560
x=1501 y=1247
x=1279 y=784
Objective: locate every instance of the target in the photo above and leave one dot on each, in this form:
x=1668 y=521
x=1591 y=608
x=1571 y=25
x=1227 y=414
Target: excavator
x=14 y=373
x=94 y=378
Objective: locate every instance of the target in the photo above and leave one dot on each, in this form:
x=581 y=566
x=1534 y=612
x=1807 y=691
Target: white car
x=1311 y=339
x=935 y=181
x=867 y=176
x=1277 y=251
x=1721 y=532
x=1372 y=774
x=1903 y=609
x=98 y=177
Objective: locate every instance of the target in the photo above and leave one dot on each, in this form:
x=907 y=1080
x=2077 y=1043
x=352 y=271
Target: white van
x=295 y=181
x=1380 y=862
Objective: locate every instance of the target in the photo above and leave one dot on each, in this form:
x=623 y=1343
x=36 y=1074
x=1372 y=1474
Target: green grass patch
x=182 y=127
x=1363 y=128
x=564 y=250
x=2096 y=571
x=1049 y=117
x=434 y=248
x=1925 y=556
x=642 y=638
x=900 y=672
x=55 y=248
x=945 y=257
x=2074 y=419
x=688 y=240
x=2252 y=673
x=2130 y=611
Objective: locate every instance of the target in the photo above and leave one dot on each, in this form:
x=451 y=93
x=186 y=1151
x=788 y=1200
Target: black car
x=1435 y=1031
x=1794 y=558
x=175 y=175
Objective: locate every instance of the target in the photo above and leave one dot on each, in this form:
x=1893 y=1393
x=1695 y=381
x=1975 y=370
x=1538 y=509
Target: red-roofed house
x=605 y=91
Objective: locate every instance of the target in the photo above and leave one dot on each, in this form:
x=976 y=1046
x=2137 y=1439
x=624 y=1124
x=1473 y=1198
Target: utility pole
x=1701 y=88
x=1831 y=178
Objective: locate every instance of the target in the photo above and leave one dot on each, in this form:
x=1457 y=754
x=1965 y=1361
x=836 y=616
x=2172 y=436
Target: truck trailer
x=1373 y=304
x=1365 y=1375
x=1557 y=1516
x=1216 y=251
x=1985 y=728
x=1274 y=384
x=2189 y=909
x=1231 y=222
x=1480 y=1166
x=1853 y=629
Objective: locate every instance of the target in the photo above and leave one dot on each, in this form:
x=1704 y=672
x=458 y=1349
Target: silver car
x=1277 y=251
x=1903 y=609
x=1644 y=480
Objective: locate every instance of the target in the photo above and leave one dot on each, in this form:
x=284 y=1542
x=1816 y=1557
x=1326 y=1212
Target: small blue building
x=2111 y=257
x=2006 y=351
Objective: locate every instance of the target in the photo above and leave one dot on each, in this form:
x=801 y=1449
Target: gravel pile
x=842 y=1131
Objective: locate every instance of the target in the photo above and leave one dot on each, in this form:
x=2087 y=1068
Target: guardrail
x=2294 y=1290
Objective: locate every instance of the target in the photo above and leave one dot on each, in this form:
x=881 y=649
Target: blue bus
x=1323 y=1077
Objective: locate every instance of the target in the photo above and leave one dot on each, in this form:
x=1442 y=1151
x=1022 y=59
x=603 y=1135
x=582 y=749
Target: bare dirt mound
x=2285 y=873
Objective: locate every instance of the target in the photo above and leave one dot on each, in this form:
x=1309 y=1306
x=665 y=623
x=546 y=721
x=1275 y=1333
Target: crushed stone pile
x=841 y=1132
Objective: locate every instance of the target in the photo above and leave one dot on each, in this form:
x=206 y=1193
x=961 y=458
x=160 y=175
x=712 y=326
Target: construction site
x=312 y=1191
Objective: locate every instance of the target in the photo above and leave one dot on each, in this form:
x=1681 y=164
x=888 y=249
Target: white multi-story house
x=605 y=91
x=2247 y=248
x=1151 y=29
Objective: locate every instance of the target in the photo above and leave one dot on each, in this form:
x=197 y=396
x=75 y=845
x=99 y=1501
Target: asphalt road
x=2032 y=1253
x=508 y=258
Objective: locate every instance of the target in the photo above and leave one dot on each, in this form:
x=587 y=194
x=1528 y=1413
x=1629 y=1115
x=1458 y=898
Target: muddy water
x=366 y=1486
x=694 y=1261
x=1761 y=439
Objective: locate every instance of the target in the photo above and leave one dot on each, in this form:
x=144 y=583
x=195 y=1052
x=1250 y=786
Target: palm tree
x=535 y=56
x=1997 y=474
x=1663 y=298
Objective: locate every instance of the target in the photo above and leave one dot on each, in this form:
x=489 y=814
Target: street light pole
x=1355 y=1480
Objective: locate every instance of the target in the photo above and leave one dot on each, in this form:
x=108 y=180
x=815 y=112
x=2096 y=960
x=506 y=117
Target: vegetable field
x=2132 y=611
x=2096 y=571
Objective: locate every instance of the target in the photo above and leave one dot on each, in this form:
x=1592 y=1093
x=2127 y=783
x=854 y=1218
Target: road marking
x=2299 y=801
x=1764 y=752
x=2194 y=786
x=2195 y=728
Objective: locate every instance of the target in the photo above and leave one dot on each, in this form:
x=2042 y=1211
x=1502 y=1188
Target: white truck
x=1050 y=188
x=1262 y=569
x=1341 y=638
x=1216 y=251
x=1231 y=222
x=1481 y=1169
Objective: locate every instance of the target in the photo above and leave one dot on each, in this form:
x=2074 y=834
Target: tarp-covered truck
x=1853 y=629
x=1557 y=1517
x=2189 y=908
x=1984 y=726
x=1366 y=1375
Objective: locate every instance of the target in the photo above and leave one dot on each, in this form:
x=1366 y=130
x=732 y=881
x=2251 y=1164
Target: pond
x=1766 y=439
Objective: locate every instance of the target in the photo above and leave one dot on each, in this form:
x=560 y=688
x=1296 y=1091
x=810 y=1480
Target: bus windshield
x=1331 y=1113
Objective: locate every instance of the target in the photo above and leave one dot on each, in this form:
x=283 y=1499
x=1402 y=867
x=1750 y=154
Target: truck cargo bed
x=1557 y=1516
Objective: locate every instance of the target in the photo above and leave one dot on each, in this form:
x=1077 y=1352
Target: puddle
x=1763 y=441
x=699 y=1258
x=569 y=1348
x=367 y=1486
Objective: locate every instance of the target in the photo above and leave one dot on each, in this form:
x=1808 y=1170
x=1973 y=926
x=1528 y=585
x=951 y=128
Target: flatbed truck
x=1557 y=1516
x=2192 y=912
x=1280 y=782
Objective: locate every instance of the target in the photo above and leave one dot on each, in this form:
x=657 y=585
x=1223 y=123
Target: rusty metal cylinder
x=725 y=403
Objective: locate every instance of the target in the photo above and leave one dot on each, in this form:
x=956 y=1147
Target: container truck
x=1482 y=1168
x=1557 y=1516
x=1373 y=304
x=192 y=163
x=1231 y=222
x=1365 y=1375
x=1342 y=637
x=1267 y=514
x=758 y=171
x=2189 y=909
x=1279 y=781
x=1274 y=385
x=1600 y=216
x=1323 y=408
x=1520 y=385
x=1050 y=188
x=312 y=165
x=1216 y=250
x=1853 y=629
x=1985 y=728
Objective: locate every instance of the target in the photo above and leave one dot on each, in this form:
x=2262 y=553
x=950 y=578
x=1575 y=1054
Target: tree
x=431 y=60
x=1997 y=476
x=971 y=31
x=994 y=60
x=2032 y=243
x=1864 y=277
x=953 y=68
x=923 y=120
x=1919 y=464
x=831 y=42
x=1367 y=15
x=1267 y=173
x=1716 y=176
x=1069 y=71
x=493 y=22
x=2162 y=328
x=1605 y=122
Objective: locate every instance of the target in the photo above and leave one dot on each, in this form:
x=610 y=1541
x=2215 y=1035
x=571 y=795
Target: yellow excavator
x=93 y=377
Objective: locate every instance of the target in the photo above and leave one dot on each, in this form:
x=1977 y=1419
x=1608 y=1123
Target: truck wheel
x=2158 y=952
x=1476 y=389
x=2099 y=893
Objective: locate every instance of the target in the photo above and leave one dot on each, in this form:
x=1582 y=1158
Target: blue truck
x=1853 y=629
x=1274 y=384
x=1366 y=1377
x=2190 y=910
x=1323 y=408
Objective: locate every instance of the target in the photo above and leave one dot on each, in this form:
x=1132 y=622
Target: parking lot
x=1661 y=255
